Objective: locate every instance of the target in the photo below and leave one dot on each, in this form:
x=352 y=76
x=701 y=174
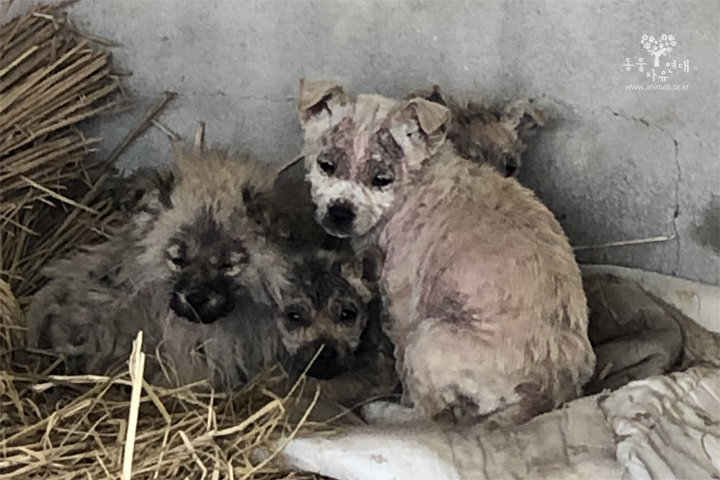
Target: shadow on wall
x=707 y=231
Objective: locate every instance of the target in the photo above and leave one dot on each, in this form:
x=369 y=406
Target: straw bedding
x=53 y=78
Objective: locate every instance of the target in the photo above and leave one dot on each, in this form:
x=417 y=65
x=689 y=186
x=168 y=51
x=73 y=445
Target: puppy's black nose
x=341 y=214
x=328 y=354
x=326 y=364
x=200 y=300
x=207 y=303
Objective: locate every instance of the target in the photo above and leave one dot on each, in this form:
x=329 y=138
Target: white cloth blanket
x=664 y=427
x=661 y=428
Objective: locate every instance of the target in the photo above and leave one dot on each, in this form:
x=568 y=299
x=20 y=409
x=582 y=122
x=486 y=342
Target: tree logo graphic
x=658 y=47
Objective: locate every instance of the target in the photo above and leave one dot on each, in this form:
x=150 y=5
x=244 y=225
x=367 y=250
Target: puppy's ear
x=318 y=98
x=366 y=265
x=425 y=123
x=431 y=94
x=522 y=116
x=257 y=205
x=519 y=119
x=166 y=182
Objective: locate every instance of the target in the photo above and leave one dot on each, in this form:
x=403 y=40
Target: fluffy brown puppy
x=198 y=258
x=493 y=136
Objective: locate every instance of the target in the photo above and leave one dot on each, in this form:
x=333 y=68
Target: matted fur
x=233 y=188
x=487 y=310
x=227 y=353
x=69 y=315
x=97 y=299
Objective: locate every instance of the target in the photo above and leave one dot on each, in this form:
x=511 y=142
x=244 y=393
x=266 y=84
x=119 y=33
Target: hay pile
x=95 y=427
x=52 y=78
x=50 y=81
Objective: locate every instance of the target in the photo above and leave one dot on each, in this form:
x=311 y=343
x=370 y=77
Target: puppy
x=485 y=135
x=290 y=215
x=334 y=307
x=487 y=311
x=493 y=136
x=201 y=259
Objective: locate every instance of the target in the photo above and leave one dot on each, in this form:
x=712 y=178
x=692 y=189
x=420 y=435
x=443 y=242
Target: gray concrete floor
x=615 y=164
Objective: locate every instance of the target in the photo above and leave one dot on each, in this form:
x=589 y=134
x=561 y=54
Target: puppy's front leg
x=383 y=412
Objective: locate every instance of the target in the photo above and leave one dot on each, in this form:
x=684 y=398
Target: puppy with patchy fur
x=493 y=136
x=487 y=311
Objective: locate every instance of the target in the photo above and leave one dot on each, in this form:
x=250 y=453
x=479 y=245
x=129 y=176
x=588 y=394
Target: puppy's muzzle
x=207 y=303
x=339 y=217
x=327 y=364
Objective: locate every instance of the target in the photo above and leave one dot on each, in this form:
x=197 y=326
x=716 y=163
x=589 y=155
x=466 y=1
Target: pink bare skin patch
x=360 y=144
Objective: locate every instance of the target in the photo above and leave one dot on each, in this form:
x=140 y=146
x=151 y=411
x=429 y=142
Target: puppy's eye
x=180 y=262
x=176 y=257
x=348 y=315
x=238 y=257
x=415 y=135
x=233 y=266
x=511 y=166
x=382 y=180
x=326 y=165
x=294 y=318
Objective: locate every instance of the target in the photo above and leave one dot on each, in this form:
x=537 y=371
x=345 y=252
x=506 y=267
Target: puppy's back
x=495 y=285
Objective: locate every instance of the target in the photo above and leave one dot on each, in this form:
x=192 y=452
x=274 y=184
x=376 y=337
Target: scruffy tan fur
x=146 y=189
x=487 y=311
x=99 y=298
x=234 y=187
x=486 y=135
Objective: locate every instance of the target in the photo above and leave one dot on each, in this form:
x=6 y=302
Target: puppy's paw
x=273 y=454
x=388 y=413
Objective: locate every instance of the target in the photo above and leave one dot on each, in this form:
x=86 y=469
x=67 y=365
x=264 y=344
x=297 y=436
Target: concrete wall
x=614 y=164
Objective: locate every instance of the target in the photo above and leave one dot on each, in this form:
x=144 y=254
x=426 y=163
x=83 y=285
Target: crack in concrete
x=678 y=179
